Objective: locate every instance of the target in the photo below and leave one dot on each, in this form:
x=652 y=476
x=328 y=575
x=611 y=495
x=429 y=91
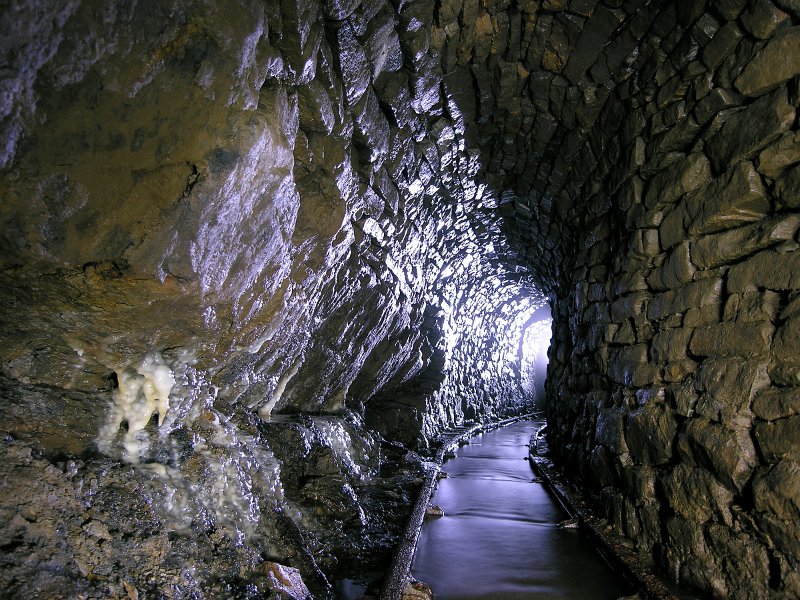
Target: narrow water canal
x=500 y=536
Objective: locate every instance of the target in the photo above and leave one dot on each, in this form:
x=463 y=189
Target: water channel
x=500 y=535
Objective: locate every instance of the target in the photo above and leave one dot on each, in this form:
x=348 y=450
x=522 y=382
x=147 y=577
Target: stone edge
x=398 y=574
x=623 y=560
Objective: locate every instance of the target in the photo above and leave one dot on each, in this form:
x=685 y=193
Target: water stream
x=500 y=535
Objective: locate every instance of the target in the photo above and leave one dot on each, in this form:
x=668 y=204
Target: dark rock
x=777 y=403
x=768 y=269
x=650 y=433
x=696 y=495
x=730 y=246
x=777 y=439
x=788 y=189
x=775 y=64
x=763 y=18
x=748 y=131
x=728 y=453
x=732 y=339
x=722 y=45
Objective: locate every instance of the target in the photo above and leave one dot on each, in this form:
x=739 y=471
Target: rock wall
x=672 y=389
x=237 y=240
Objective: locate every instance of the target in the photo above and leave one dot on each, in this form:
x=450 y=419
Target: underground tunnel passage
x=258 y=258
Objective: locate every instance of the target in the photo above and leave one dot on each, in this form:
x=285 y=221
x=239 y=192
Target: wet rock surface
x=671 y=371
x=214 y=216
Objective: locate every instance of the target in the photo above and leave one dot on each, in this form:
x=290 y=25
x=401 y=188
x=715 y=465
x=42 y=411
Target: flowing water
x=500 y=536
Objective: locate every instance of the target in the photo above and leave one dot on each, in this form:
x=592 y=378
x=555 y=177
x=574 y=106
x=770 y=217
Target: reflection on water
x=499 y=537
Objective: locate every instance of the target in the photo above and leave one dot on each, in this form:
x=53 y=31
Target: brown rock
x=735 y=199
x=696 y=294
x=778 y=62
x=768 y=269
x=722 y=248
x=727 y=387
x=763 y=18
x=777 y=490
x=684 y=176
x=785 y=152
x=779 y=439
x=746 y=132
x=650 y=433
x=696 y=495
x=671 y=345
x=752 y=306
x=610 y=430
x=728 y=453
x=733 y=339
x=788 y=189
x=776 y=403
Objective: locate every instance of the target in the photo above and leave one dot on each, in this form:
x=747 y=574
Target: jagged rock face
x=213 y=215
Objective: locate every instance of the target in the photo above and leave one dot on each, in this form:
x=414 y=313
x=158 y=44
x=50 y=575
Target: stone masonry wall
x=674 y=380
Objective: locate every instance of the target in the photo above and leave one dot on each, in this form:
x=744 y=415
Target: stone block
x=783 y=153
x=752 y=306
x=674 y=228
x=727 y=452
x=629 y=306
x=746 y=554
x=727 y=386
x=671 y=345
x=640 y=484
x=748 y=131
x=776 y=63
x=763 y=18
x=734 y=199
x=722 y=45
x=729 y=9
x=356 y=69
x=768 y=269
x=779 y=439
x=677 y=371
x=717 y=100
x=696 y=294
x=676 y=271
x=775 y=403
x=733 y=339
x=610 y=429
x=628 y=365
x=684 y=176
x=788 y=189
x=697 y=316
x=372 y=128
x=650 y=433
x=315 y=108
x=777 y=490
x=696 y=495
x=727 y=247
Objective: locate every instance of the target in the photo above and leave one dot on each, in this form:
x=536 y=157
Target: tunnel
x=256 y=258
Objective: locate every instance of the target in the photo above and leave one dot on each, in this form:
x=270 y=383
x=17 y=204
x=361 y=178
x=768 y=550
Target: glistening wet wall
x=673 y=380
x=212 y=214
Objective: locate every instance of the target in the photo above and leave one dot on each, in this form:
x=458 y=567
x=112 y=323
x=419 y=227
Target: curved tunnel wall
x=673 y=367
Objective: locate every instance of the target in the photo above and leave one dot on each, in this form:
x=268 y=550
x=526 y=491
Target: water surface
x=500 y=537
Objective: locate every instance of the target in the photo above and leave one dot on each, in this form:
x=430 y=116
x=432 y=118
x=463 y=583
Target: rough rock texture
x=213 y=214
x=674 y=235
x=346 y=209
